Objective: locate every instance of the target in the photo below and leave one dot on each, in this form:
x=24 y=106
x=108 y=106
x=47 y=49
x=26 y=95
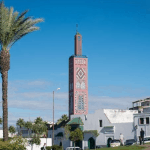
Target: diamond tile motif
x=80 y=73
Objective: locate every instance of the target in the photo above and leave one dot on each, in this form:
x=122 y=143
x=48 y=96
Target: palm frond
x=14 y=27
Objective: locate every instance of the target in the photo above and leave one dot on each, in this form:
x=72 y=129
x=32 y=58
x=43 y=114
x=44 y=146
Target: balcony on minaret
x=78 y=44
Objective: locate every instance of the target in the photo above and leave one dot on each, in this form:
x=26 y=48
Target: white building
x=28 y=133
x=9 y=134
x=108 y=122
x=142 y=119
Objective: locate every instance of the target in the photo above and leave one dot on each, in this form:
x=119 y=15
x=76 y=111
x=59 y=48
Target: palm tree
x=20 y=123
x=12 y=28
x=12 y=129
x=28 y=125
x=63 y=118
x=38 y=120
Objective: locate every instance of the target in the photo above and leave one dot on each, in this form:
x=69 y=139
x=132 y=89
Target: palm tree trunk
x=5 y=107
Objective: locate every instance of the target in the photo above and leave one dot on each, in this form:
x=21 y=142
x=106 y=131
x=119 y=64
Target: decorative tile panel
x=80 y=73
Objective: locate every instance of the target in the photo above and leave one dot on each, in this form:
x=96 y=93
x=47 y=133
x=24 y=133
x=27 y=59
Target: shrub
x=17 y=143
x=42 y=148
x=54 y=147
x=48 y=147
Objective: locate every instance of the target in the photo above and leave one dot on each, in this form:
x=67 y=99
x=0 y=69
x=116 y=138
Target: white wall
x=146 y=127
x=1 y=134
x=48 y=142
x=120 y=116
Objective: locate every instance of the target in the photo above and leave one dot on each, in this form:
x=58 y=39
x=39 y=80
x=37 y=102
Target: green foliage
x=28 y=125
x=14 y=27
x=63 y=118
x=54 y=147
x=20 y=122
x=67 y=131
x=16 y=143
x=39 y=127
x=76 y=135
x=94 y=132
x=35 y=140
x=38 y=120
x=48 y=147
x=12 y=129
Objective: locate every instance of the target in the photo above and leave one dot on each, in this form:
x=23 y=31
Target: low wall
x=48 y=142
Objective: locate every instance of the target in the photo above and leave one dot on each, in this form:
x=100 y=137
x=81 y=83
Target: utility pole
x=53 y=120
x=53 y=117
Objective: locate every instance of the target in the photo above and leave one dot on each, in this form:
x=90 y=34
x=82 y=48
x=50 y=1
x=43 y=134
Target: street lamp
x=53 y=117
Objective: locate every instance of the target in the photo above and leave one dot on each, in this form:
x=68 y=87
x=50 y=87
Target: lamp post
x=53 y=117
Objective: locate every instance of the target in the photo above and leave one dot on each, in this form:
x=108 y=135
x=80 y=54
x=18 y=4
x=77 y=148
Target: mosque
x=109 y=123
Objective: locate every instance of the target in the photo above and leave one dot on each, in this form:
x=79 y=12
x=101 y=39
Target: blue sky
x=116 y=39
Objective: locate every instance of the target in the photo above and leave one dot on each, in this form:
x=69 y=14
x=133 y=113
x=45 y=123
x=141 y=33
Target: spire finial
x=76 y=27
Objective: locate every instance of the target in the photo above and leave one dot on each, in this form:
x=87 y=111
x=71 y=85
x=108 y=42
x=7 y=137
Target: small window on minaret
x=78 y=38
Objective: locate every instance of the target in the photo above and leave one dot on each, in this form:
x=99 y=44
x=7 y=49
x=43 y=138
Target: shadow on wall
x=103 y=130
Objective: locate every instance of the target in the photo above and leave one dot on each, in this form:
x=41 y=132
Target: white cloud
x=96 y=102
x=27 y=103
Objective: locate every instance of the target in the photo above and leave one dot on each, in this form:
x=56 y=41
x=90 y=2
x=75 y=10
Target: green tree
x=38 y=120
x=28 y=125
x=63 y=118
x=46 y=124
x=12 y=129
x=20 y=123
x=76 y=135
x=67 y=131
x=12 y=28
x=39 y=127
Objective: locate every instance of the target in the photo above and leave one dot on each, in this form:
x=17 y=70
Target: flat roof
x=142 y=100
x=79 y=56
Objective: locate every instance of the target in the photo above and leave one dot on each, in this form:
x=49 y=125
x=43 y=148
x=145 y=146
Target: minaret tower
x=78 y=80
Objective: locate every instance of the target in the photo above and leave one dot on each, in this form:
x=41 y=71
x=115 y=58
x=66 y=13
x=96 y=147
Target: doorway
x=91 y=143
x=109 y=141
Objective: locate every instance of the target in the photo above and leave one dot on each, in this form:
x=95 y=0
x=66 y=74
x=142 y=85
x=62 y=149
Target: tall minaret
x=78 y=80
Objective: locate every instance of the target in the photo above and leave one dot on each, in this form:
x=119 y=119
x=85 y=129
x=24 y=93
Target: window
x=100 y=123
x=24 y=131
x=109 y=130
x=147 y=120
x=141 y=121
x=85 y=117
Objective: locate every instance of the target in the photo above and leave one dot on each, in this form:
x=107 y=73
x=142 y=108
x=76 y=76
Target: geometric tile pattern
x=80 y=103
x=78 y=85
x=83 y=85
x=80 y=73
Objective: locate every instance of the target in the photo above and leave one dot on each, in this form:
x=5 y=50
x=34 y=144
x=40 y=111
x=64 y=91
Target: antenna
x=29 y=117
x=76 y=27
